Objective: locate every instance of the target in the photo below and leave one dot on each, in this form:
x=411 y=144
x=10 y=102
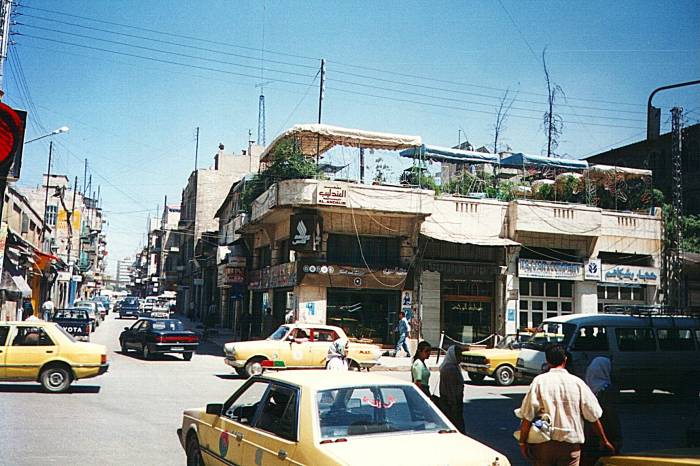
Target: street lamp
x=62 y=129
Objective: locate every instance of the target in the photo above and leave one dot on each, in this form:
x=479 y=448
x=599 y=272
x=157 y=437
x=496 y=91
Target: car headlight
x=229 y=351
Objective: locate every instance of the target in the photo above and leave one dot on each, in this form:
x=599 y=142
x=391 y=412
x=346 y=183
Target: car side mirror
x=215 y=408
x=126 y=328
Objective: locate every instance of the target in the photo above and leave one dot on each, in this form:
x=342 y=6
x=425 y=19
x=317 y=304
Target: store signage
x=63 y=276
x=229 y=275
x=593 y=270
x=558 y=270
x=77 y=278
x=277 y=276
x=305 y=232
x=331 y=194
x=630 y=275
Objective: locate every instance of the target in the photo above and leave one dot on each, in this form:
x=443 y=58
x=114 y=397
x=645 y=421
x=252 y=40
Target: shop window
x=537 y=288
x=551 y=289
x=566 y=289
x=567 y=307
x=524 y=305
x=675 y=339
x=537 y=305
x=625 y=293
x=601 y=292
x=591 y=338
x=523 y=319
x=635 y=339
x=374 y=250
x=524 y=287
x=536 y=319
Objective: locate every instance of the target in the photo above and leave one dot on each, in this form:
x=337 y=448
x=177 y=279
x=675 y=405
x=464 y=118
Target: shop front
x=625 y=285
x=271 y=287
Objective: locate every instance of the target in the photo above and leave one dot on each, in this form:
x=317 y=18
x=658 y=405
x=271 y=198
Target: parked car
x=47 y=353
x=674 y=457
x=296 y=346
x=147 y=305
x=327 y=418
x=498 y=362
x=159 y=336
x=91 y=309
x=648 y=352
x=129 y=307
x=75 y=321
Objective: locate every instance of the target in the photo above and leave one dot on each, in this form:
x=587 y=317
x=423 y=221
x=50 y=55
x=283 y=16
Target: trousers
x=402 y=343
x=555 y=453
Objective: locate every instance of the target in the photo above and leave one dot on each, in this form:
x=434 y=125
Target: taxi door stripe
x=211 y=453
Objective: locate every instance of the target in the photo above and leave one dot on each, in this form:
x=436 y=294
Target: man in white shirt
x=47 y=309
x=568 y=401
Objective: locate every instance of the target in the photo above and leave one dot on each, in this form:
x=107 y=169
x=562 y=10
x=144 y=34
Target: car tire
x=354 y=366
x=122 y=343
x=146 y=352
x=55 y=379
x=476 y=378
x=241 y=371
x=253 y=367
x=505 y=376
x=194 y=454
x=187 y=356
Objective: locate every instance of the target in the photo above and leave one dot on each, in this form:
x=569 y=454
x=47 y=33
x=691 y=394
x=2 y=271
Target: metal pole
x=46 y=194
x=653 y=113
x=677 y=205
x=6 y=11
x=85 y=177
x=362 y=165
x=196 y=149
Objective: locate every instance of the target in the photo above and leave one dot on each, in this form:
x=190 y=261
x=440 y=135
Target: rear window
x=550 y=333
x=635 y=339
x=591 y=338
x=675 y=339
x=170 y=325
x=375 y=410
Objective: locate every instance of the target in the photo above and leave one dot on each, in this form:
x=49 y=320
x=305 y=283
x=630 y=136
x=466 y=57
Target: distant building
x=656 y=156
x=124 y=271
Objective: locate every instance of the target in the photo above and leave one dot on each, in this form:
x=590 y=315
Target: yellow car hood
x=421 y=449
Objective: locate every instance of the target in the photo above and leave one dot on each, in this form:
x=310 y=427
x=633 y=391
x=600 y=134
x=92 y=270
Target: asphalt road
x=129 y=415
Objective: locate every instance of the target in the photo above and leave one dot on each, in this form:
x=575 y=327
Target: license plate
x=177 y=348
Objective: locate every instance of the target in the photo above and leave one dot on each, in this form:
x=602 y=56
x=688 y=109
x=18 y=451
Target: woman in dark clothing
x=599 y=380
x=452 y=389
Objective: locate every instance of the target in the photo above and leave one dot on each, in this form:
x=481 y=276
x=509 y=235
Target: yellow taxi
x=678 y=456
x=498 y=362
x=296 y=346
x=35 y=350
x=328 y=418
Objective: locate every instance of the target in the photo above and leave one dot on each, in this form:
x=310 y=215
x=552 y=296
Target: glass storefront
x=363 y=313
x=543 y=299
x=467 y=309
x=625 y=295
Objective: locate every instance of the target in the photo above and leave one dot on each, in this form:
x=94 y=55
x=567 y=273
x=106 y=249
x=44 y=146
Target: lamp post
x=62 y=129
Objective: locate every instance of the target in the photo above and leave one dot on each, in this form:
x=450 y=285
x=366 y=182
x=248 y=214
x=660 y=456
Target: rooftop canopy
x=313 y=138
x=448 y=154
x=540 y=161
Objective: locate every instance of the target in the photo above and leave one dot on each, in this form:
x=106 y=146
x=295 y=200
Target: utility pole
x=46 y=194
x=321 y=89
x=5 y=13
x=196 y=149
x=675 y=295
x=85 y=177
x=362 y=164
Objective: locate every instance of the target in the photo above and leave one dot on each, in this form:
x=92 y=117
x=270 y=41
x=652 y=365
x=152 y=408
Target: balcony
x=631 y=233
x=553 y=218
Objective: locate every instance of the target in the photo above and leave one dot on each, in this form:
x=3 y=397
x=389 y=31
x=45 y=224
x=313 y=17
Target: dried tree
x=501 y=116
x=552 y=122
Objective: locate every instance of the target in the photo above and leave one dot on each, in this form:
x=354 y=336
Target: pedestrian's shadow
x=35 y=388
x=155 y=358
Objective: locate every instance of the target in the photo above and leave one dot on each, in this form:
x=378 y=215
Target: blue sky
x=134 y=119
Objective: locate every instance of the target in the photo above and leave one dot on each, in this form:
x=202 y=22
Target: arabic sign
x=592 y=270
x=229 y=275
x=630 y=275
x=277 y=276
x=331 y=194
x=305 y=232
x=560 y=270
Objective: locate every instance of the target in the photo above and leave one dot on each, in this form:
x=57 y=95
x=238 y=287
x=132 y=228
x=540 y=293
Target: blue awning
x=525 y=160
x=448 y=154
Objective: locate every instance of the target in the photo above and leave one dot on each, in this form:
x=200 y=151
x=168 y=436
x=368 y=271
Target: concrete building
x=124 y=272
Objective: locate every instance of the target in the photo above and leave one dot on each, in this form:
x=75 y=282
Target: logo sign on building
x=305 y=232
x=628 y=275
x=331 y=194
x=593 y=270
x=537 y=268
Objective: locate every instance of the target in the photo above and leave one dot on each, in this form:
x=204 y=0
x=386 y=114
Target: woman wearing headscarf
x=599 y=380
x=336 y=359
x=452 y=388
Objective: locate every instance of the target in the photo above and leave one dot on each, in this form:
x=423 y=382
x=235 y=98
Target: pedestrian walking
x=403 y=328
x=452 y=388
x=47 y=308
x=567 y=401
x=420 y=374
x=336 y=359
x=599 y=380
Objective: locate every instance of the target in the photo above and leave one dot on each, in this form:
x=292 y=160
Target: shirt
x=337 y=364
x=568 y=401
x=47 y=306
x=404 y=327
x=420 y=373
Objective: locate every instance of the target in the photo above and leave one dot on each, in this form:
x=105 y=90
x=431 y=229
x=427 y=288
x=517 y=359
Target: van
x=647 y=351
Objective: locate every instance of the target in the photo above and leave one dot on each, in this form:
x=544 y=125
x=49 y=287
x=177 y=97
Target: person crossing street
x=404 y=329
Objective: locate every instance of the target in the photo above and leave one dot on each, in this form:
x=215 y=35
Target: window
x=263 y=256
x=322 y=334
x=536 y=288
x=31 y=336
x=375 y=410
x=279 y=413
x=591 y=338
x=551 y=289
x=4 y=330
x=375 y=250
x=242 y=406
x=543 y=299
x=25 y=223
x=283 y=251
x=675 y=339
x=635 y=339
x=566 y=289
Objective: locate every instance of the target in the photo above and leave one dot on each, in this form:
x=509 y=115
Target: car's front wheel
x=194 y=454
x=253 y=367
x=55 y=379
x=505 y=376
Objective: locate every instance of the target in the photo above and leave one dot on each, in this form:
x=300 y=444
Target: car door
x=273 y=437
x=4 y=332
x=589 y=342
x=130 y=337
x=224 y=442
x=319 y=344
x=295 y=352
x=28 y=350
x=142 y=334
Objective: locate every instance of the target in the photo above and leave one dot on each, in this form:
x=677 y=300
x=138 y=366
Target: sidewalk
x=388 y=363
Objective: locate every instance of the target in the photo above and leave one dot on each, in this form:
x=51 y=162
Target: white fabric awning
x=627 y=172
x=453 y=237
x=323 y=137
x=22 y=286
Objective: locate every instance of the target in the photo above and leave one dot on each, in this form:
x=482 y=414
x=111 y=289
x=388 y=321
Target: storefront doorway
x=363 y=313
x=543 y=299
x=467 y=309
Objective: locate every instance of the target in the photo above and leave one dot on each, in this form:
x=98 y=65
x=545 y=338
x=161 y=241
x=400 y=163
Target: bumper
x=478 y=368
x=235 y=363
x=173 y=348
x=103 y=368
x=179 y=437
x=524 y=376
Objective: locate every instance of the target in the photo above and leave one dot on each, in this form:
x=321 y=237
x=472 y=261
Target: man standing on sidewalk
x=47 y=309
x=568 y=401
x=403 y=328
